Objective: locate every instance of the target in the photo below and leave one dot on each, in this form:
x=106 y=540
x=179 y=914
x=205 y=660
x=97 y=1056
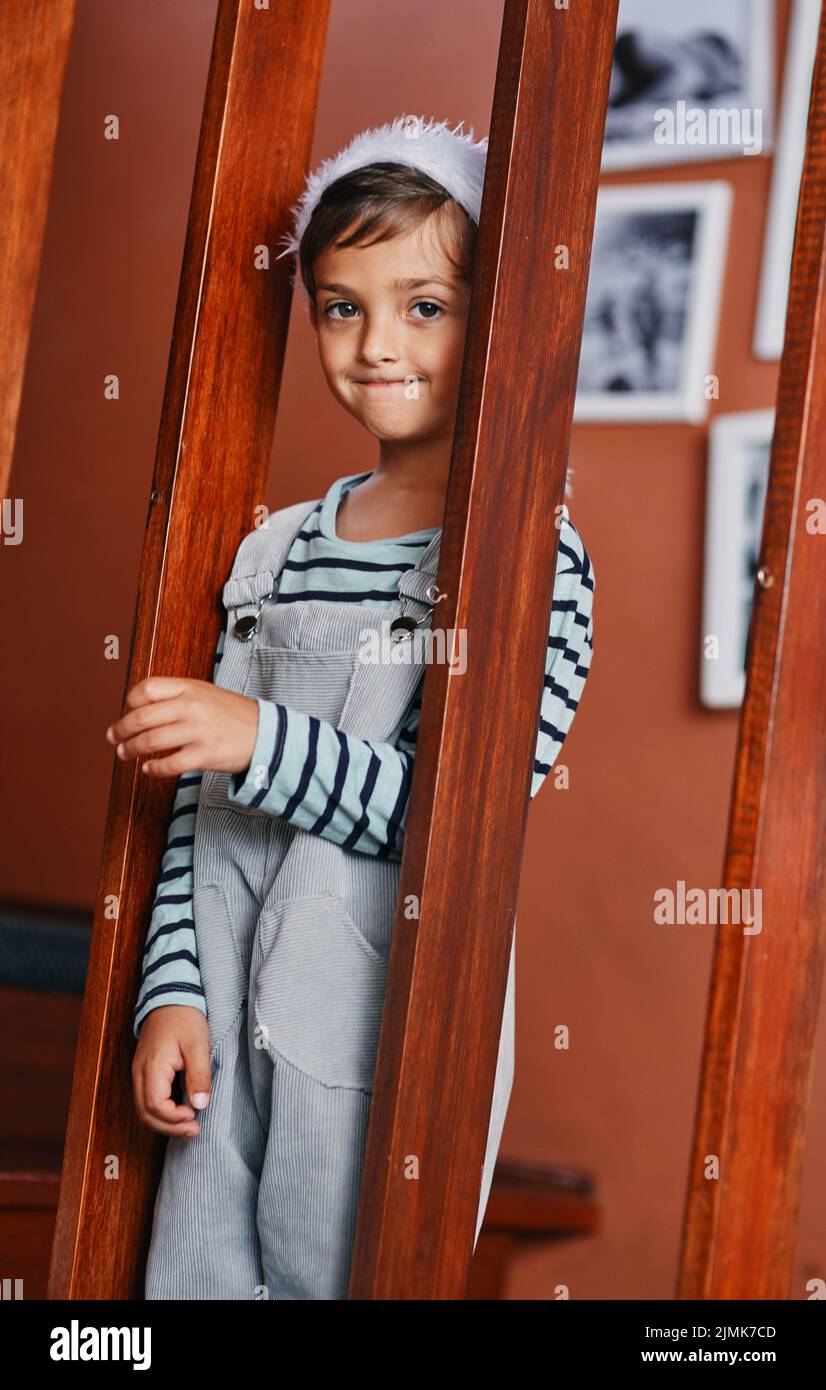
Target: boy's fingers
x=158 y=715
x=160 y=740
x=172 y=766
x=184 y=1128
x=169 y=1111
x=155 y=688
x=157 y=1090
x=198 y=1081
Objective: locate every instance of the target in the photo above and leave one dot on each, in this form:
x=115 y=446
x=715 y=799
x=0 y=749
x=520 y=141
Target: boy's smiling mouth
x=390 y=381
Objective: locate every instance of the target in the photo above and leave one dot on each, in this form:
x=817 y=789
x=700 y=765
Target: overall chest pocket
x=312 y=682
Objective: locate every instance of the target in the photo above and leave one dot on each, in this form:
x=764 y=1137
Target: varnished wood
x=34 y=44
x=463 y=849
x=489 y=1269
x=740 y=1228
x=210 y=473
x=541 y=1201
x=530 y=1203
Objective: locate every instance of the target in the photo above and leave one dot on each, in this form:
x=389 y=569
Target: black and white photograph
x=738 y=470
x=690 y=81
x=652 y=307
x=773 y=294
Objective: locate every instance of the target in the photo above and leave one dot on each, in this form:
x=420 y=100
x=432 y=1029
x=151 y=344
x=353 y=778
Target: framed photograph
x=653 y=301
x=738 y=473
x=690 y=81
x=770 y=322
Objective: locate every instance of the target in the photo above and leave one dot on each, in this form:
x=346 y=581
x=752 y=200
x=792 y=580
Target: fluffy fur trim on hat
x=454 y=160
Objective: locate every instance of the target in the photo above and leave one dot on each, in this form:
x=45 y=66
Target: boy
x=265 y=964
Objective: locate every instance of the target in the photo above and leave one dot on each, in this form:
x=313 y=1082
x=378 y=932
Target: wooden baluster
x=211 y=471
x=448 y=969
x=740 y=1228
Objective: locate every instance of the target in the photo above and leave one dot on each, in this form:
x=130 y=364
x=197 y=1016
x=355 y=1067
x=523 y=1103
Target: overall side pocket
x=319 y=991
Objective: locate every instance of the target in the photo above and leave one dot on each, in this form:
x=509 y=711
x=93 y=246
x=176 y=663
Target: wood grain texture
x=212 y=462
x=470 y=794
x=740 y=1229
x=34 y=45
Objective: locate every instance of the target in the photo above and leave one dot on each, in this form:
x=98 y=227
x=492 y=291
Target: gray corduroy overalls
x=293 y=934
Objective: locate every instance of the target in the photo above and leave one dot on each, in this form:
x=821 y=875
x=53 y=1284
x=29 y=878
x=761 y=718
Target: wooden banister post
x=212 y=462
x=740 y=1228
x=469 y=802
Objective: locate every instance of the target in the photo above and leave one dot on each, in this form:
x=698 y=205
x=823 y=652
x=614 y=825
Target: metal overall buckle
x=404 y=626
x=246 y=628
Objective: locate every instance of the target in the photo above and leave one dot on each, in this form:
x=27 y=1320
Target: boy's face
x=370 y=329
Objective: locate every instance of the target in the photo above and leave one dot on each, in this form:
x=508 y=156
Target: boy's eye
x=340 y=303
x=428 y=304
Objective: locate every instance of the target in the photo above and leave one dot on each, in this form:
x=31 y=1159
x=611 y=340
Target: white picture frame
x=710 y=63
x=653 y=301
x=781 y=217
x=738 y=471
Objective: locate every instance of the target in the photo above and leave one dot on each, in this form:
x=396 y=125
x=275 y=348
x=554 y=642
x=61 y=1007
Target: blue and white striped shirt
x=315 y=767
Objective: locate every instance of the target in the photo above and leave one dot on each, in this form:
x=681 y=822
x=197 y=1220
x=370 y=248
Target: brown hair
x=381 y=201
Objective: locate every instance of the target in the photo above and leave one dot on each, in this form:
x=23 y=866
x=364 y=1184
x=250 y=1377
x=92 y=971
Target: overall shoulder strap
x=381 y=690
x=260 y=557
x=419 y=583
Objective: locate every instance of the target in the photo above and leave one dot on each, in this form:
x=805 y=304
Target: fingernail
x=120 y=750
x=200 y=1099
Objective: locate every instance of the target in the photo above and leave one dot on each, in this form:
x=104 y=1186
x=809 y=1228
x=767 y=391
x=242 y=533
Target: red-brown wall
x=650 y=768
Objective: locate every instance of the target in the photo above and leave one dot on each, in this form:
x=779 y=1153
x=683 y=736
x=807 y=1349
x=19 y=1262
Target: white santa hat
x=451 y=157
x=455 y=161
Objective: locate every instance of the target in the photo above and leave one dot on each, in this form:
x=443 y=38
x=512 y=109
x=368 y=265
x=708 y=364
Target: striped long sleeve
x=570 y=649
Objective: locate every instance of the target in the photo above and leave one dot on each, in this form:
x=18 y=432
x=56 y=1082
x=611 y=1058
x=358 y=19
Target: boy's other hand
x=210 y=728
x=173 y=1038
